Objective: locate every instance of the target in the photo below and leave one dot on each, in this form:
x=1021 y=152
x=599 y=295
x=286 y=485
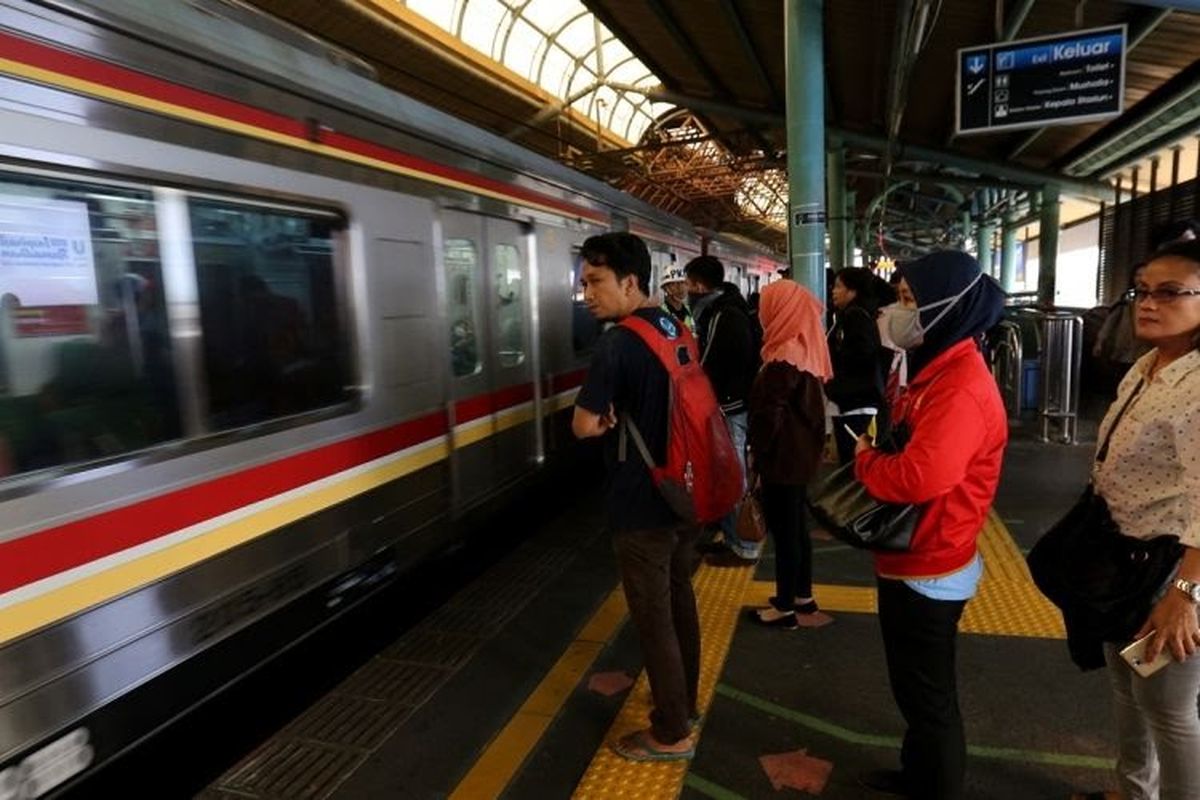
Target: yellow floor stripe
x=1007 y=604
x=504 y=756
x=719 y=592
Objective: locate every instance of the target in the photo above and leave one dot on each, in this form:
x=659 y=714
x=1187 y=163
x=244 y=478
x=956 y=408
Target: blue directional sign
x=1051 y=80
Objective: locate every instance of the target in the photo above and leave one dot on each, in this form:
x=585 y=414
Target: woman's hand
x=1176 y=625
x=863 y=445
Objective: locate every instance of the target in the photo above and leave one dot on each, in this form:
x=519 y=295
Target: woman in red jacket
x=950 y=465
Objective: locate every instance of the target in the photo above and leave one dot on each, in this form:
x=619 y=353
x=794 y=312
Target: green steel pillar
x=835 y=181
x=805 y=61
x=984 y=240
x=1008 y=252
x=1048 y=245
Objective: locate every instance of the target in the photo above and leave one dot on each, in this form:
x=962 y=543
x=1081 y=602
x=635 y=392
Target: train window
x=86 y=368
x=274 y=341
x=584 y=327
x=461 y=259
x=510 y=308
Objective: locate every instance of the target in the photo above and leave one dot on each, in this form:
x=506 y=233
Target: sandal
x=772 y=617
x=640 y=746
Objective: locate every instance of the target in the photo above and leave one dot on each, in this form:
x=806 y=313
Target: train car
x=749 y=265
x=267 y=329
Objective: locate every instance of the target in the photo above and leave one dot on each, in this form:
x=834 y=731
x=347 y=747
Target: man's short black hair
x=707 y=270
x=623 y=253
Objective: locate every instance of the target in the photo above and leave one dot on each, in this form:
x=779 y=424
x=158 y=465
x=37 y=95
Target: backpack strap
x=667 y=350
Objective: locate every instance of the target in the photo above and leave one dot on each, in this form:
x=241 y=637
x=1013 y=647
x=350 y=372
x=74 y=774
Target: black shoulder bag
x=1084 y=562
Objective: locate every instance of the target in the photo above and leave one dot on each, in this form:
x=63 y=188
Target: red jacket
x=951 y=463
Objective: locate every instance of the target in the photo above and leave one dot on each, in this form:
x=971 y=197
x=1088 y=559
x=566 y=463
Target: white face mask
x=904 y=324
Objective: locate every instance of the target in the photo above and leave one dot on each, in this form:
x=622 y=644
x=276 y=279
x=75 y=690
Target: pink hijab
x=792 y=330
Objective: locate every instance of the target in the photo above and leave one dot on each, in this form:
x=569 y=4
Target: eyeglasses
x=1160 y=295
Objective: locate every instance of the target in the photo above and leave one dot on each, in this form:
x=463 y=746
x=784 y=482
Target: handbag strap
x=1102 y=451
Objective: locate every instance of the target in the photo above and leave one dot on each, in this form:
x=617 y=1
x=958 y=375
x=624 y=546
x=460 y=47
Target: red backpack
x=702 y=477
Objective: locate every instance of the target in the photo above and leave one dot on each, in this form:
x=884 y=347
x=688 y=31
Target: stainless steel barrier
x=1007 y=368
x=1062 y=351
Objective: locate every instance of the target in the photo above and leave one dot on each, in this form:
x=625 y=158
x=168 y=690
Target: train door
x=488 y=297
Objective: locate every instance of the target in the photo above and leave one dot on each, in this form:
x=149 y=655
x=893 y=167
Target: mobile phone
x=1135 y=655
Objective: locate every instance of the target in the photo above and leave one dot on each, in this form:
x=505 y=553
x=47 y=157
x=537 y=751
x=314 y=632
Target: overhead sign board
x=1052 y=80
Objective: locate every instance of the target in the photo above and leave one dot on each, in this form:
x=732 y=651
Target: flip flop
x=637 y=746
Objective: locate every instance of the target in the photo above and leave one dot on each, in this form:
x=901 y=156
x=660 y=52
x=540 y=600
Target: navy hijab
x=944 y=274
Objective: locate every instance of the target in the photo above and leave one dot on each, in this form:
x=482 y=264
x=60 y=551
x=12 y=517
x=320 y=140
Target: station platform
x=514 y=688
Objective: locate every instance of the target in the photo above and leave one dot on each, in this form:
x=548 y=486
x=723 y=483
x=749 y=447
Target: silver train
x=267 y=330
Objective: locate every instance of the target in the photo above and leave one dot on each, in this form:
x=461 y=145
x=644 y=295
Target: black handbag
x=1084 y=561
x=841 y=505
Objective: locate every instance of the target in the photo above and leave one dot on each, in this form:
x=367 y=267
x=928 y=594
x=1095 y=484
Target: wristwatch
x=1190 y=588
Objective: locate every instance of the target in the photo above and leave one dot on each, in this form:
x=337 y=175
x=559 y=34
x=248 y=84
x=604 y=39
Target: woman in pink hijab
x=786 y=436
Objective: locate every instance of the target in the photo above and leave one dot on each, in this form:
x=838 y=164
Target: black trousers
x=783 y=508
x=919 y=637
x=656 y=574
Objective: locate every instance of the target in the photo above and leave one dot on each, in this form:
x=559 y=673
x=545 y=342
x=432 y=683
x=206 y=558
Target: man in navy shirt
x=654 y=547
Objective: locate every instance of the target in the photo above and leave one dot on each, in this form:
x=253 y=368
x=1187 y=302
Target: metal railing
x=1007 y=367
x=1062 y=352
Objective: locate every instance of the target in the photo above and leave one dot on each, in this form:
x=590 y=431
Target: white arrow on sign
x=976 y=64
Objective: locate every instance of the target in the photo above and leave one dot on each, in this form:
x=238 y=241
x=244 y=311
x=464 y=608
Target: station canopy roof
x=682 y=102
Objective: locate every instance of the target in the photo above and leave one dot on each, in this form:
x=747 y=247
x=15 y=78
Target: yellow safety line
x=1007 y=603
x=28 y=615
x=719 y=592
x=505 y=754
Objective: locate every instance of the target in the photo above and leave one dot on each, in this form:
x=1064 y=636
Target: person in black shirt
x=729 y=338
x=654 y=547
x=860 y=361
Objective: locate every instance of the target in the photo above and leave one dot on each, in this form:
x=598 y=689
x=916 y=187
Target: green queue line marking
x=893 y=742
x=710 y=789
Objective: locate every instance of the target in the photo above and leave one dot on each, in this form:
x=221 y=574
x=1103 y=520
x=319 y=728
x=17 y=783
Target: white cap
x=672 y=275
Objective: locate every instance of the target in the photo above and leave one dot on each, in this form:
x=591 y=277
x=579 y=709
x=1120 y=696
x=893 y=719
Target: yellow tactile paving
x=830 y=597
x=719 y=594
x=1008 y=604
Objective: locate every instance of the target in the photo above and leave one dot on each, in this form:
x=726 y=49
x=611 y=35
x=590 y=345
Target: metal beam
x=1015 y=20
x=1075 y=187
x=749 y=50
x=1139 y=29
x=688 y=47
x=1168 y=114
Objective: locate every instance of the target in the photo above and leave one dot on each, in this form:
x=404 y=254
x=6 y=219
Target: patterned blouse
x=1151 y=478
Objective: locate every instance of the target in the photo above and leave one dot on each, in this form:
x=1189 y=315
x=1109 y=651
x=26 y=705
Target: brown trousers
x=656 y=573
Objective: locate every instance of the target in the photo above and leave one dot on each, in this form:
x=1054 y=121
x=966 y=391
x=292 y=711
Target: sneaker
x=885 y=781
x=729 y=559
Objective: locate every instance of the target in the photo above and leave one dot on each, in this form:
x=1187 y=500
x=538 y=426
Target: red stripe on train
x=48 y=552
x=89 y=69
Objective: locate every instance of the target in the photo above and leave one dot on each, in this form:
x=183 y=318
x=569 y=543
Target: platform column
x=805 y=57
x=1048 y=245
x=987 y=232
x=1008 y=252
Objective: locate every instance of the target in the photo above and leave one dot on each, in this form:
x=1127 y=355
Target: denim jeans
x=1158 y=729
x=737 y=431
